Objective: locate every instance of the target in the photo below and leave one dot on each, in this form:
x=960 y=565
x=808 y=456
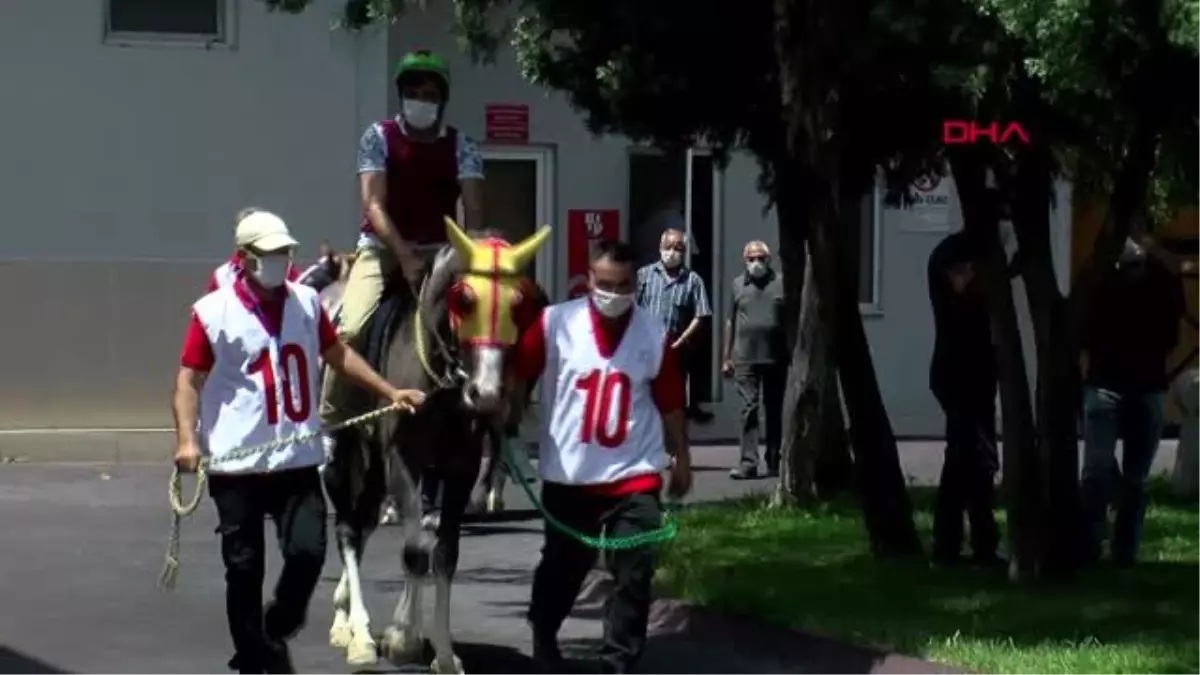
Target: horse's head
x=486 y=302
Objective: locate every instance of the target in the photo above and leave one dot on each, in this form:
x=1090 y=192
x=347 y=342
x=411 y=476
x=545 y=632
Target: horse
x=488 y=494
x=452 y=345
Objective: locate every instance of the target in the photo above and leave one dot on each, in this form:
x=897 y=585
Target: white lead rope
x=181 y=509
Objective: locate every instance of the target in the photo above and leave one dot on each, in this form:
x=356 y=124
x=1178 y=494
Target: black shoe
x=279 y=659
x=744 y=473
x=547 y=657
x=242 y=665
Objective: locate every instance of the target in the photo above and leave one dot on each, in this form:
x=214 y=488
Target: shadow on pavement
x=12 y=661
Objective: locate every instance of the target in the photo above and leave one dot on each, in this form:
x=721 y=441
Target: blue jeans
x=1137 y=419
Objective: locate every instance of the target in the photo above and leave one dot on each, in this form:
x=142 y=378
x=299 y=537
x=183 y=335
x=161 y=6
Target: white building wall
x=123 y=167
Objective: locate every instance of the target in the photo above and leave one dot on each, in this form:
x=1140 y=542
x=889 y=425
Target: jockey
x=601 y=459
x=247 y=375
x=229 y=271
x=412 y=170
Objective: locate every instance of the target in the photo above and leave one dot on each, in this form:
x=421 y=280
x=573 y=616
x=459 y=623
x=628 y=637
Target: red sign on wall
x=507 y=122
x=585 y=229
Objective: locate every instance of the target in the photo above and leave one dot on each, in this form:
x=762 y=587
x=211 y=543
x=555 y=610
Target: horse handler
x=613 y=399
x=249 y=375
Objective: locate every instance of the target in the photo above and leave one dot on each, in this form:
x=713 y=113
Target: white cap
x=263 y=231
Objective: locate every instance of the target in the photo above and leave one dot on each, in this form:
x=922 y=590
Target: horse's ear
x=464 y=244
x=523 y=252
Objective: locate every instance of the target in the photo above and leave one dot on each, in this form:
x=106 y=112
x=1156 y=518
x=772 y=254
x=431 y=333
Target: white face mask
x=611 y=305
x=671 y=257
x=271 y=271
x=420 y=115
x=756 y=268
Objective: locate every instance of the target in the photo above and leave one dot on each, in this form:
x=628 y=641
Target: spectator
x=676 y=296
x=755 y=356
x=1131 y=326
x=963 y=378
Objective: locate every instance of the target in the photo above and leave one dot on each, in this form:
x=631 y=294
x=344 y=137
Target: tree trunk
x=887 y=510
x=1022 y=467
x=1057 y=402
x=803 y=423
x=834 y=471
x=806 y=166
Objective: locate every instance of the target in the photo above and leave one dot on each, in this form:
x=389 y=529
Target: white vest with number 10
x=602 y=425
x=261 y=388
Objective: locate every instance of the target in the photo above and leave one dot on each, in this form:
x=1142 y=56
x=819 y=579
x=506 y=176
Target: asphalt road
x=81 y=547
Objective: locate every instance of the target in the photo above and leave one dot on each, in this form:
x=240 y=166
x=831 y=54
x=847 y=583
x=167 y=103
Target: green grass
x=811 y=570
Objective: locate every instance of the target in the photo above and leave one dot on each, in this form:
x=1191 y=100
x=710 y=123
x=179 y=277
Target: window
x=867 y=213
x=194 y=21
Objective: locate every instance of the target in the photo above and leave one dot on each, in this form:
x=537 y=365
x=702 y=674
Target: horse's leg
x=498 y=476
x=445 y=564
x=335 y=474
x=356 y=499
x=402 y=639
x=360 y=648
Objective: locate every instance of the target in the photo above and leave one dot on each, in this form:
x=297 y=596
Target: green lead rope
x=666 y=533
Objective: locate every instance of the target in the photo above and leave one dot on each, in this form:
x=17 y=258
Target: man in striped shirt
x=676 y=295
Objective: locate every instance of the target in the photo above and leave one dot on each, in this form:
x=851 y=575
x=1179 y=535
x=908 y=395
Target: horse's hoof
x=447 y=668
x=362 y=651
x=402 y=646
x=340 y=633
x=390 y=516
x=495 y=502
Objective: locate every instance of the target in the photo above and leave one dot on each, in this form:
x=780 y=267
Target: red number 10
x=295 y=370
x=600 y=389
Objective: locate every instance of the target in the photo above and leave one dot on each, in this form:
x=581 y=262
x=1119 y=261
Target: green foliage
x=1080 y=75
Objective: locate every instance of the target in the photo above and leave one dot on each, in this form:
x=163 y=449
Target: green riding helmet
x=424 y=62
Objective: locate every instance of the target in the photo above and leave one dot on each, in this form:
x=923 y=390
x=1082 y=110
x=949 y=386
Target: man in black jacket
x=1131 y=326
x=962 y=376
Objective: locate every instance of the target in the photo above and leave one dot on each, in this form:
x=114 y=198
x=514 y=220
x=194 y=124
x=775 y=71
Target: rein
x=454 y=371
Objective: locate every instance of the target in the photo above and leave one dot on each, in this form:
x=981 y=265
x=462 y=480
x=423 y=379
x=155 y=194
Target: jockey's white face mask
x=420 y=115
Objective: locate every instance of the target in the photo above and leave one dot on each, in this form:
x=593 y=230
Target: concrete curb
x=101 y=446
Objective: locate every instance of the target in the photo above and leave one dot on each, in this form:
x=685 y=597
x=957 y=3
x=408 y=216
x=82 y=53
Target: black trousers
x=761 y=386
x=294 y=500
x=566 y=562
x=968 y=480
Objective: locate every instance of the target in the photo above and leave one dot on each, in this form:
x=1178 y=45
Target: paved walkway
x=81 y=547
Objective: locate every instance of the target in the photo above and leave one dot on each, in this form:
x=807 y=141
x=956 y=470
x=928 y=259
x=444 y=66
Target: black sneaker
x=744 y=473
x=547 y=657
x=279 y=659
x=242 y=665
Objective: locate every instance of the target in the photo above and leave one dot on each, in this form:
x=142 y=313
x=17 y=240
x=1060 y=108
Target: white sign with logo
x=931 y=209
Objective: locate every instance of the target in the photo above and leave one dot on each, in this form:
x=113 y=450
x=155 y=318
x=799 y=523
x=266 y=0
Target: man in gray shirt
x=755 y=355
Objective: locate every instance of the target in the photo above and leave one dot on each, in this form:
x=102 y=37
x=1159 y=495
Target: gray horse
x=453 y=347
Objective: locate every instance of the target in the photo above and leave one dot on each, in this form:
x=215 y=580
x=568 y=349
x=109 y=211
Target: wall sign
x=930 y=212
x=507 y=123
x=585 y=229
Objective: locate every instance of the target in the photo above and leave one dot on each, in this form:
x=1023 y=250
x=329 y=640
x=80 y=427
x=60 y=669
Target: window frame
x=874 y=305
x=223 y=39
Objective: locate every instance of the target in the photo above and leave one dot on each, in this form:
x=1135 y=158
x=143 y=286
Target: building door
x=679 y=190
x=517 y=201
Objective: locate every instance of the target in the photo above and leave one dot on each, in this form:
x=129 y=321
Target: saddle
x=394 y=304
